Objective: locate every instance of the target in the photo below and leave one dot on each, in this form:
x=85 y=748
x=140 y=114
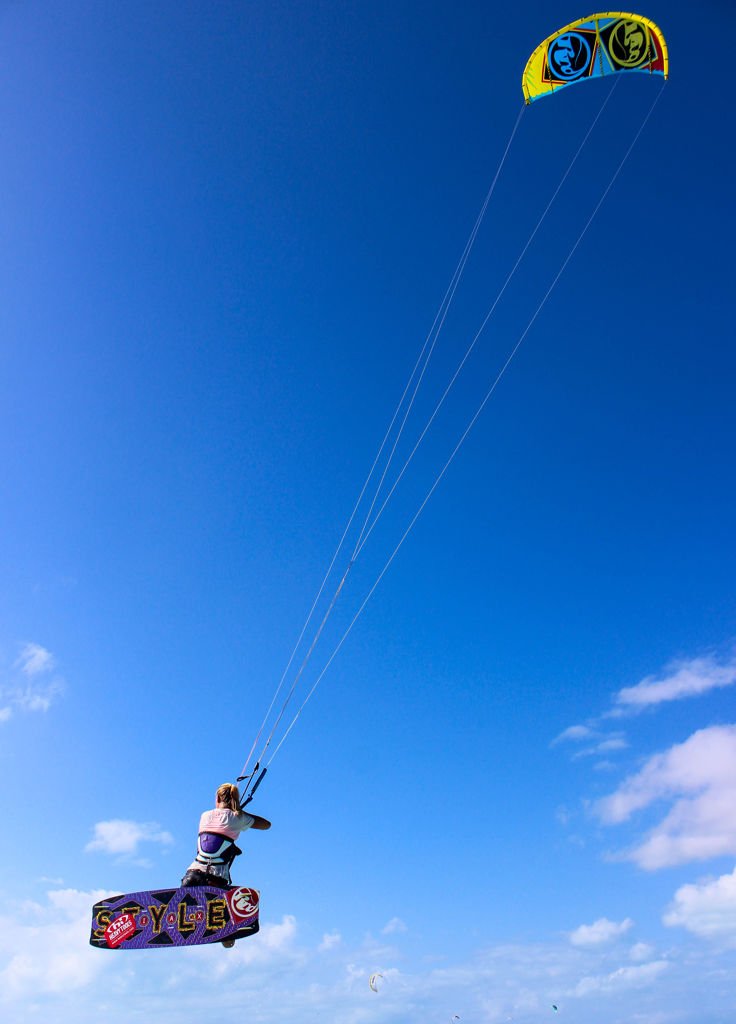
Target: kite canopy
x=593 y=47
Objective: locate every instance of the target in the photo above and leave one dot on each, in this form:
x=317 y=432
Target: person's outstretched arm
x=258 y=822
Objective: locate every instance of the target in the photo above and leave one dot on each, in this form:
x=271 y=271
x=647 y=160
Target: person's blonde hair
x=229 y=796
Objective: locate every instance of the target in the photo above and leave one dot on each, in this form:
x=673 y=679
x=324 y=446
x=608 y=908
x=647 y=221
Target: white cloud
x=563 y=815
x=574 y=732
x=622 y=978
x=37 y=699
x=600 y=932
x=641 y=951
x=275 y=942
x=124 y=837
x=329 y=941
x=613 y=743
x=44 y=948
x=707 y=908
x=49 y=972
x=277 y=937
x=394 y=926
x=699 y=775
x=596 y=741
x=23 y=692
x=607 y=745
x=684 y=679
x=34 y=660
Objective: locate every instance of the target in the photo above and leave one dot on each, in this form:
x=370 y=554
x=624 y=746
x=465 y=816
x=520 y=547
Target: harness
x=213 y=848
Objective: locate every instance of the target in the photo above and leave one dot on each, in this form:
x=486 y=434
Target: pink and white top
x=225 y=822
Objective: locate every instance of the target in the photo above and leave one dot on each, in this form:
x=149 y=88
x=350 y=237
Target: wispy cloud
x=22 y=689
x=38 y=699
x=622 y=978
x=698 y=777
x=394 y=926
x=34 y=660
x=275 y=940
x=122 y=838
x=687 y=678
x=706 y=908
x=600 y=932
x=641 y=951
x=682 y=678
x=329 y=941
x=597 y=742
x=607 y=745
x=574 y=733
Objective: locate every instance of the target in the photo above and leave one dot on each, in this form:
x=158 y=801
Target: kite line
x=645 y=42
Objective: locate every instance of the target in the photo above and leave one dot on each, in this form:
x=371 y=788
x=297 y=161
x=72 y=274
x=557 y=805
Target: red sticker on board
x=243 y=903
x=119 y=930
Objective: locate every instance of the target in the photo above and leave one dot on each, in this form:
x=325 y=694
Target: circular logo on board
x=243 y=903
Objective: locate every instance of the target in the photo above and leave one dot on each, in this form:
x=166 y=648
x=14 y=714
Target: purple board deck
x=174 y=917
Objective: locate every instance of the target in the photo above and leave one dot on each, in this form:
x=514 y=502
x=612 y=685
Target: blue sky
x=224 y=234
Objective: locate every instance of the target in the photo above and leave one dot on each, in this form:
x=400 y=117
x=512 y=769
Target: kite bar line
x=484 y=324
x=360 y=541
x=472 y=421
x=423 y=362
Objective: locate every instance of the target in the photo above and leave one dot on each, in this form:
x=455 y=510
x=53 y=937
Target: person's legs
x=194 y=877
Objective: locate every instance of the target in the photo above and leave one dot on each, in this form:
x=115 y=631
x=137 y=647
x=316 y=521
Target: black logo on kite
x=568 y=56
x=629 y=44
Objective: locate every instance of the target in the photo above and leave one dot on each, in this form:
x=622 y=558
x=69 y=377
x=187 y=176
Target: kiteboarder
x=216 y=849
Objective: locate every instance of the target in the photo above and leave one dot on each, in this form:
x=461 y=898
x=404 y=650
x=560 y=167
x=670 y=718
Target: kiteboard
x=187 y=916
